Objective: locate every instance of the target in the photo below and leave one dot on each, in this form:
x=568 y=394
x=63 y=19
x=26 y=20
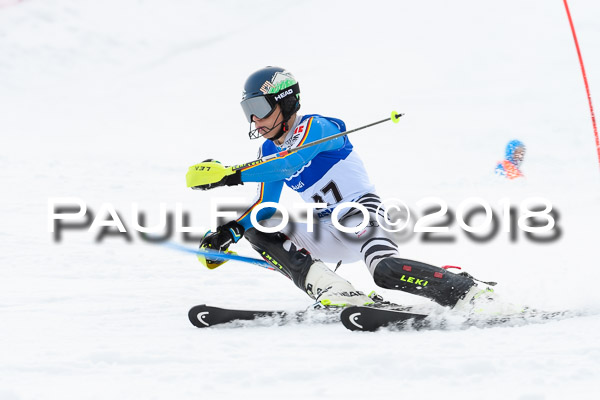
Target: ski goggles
x=259 y=106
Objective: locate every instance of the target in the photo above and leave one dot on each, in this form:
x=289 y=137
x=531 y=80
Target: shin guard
x=278 y=250
x=437 y=284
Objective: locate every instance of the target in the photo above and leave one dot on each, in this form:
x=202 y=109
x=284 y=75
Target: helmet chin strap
x=284 y=128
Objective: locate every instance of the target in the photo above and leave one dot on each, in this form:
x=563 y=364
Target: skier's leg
x=311 y=275
x=389 y=271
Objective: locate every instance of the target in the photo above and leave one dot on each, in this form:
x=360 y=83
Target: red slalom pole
x=585 y=81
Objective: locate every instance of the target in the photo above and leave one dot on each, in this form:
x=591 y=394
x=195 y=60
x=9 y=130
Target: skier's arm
x=233 y=231
x=211 y=174
x=267 y=192
x=284 y=167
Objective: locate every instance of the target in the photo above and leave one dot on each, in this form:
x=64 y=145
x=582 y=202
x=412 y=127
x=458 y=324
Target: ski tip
x=197 y=316
x=352 y=319
x=370 y=319
x=396 y=116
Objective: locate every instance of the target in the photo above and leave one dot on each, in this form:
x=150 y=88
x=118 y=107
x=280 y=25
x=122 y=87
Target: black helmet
x=264 y=89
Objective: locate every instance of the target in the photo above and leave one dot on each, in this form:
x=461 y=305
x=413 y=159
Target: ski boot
x=331 y=290
x=484 y=301
x=310 y=275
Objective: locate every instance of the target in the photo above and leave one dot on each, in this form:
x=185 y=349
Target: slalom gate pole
x=585 y=81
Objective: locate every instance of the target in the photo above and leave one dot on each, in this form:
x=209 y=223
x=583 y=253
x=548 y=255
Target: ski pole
x=207 y=172
x=395 y=117
x=219 y=256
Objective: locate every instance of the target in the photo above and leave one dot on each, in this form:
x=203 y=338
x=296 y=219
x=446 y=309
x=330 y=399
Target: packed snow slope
x=111 y=101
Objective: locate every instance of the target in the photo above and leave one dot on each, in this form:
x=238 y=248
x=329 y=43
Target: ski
x=203 y=316
x=369 y=319
x=363 y=318
x=527 y=316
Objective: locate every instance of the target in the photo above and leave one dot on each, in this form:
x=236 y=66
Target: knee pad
x=437 y=284
x=278 y=250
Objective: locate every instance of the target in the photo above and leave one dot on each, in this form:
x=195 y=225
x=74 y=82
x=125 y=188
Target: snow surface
x=111 y=101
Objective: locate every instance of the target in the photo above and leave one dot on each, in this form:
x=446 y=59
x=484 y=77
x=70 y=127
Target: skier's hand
x=220 y=240
x=210 y=174
x=225 y=235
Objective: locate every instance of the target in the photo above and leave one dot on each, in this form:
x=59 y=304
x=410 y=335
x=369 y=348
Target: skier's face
x=269 y=126
x=519 y=155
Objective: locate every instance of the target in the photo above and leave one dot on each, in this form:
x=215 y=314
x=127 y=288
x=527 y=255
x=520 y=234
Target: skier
x=331 y=173
x=514 y=155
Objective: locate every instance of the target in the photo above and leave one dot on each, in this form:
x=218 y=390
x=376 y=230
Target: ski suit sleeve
x=278 y=169
x=500 y=169
x=267 y=192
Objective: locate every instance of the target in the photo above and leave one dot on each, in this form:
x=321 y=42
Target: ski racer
x=514 y=155
x=332 y=173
